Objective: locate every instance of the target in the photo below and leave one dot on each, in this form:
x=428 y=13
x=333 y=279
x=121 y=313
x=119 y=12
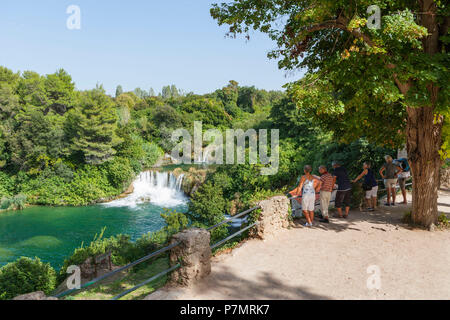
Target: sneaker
x=387 y=204
x=307 y=225
x=392 y=204
x=325 y=220
x=371 y=209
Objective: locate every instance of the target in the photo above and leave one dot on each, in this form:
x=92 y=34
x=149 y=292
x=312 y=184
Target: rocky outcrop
x=39 y=295
x=274 y=216
x=194 y=254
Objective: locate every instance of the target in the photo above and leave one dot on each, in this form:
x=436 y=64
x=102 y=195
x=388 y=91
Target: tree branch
x=340 y=23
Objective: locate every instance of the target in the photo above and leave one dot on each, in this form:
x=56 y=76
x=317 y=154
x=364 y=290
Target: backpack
x=404 y=164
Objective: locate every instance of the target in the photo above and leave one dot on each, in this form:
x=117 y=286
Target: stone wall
x=274 y=216
x=194 y=254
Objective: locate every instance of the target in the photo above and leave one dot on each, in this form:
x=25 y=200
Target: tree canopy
x=389 y=84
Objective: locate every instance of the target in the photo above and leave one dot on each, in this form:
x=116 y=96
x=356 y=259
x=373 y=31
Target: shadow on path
x=266 y=286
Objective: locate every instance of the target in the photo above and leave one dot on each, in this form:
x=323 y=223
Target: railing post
x=194 y=255
x=273 y=216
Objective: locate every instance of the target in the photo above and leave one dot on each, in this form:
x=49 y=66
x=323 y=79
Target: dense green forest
x=60 y=146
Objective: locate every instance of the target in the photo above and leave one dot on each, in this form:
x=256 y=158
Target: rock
x=194 y=254
x=432 y=228
x=39 y=295
x=87 y=269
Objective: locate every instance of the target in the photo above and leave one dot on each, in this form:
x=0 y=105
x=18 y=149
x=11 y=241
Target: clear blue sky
x=135 y=43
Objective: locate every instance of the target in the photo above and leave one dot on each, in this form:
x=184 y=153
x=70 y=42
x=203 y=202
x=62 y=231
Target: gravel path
x=332 y=261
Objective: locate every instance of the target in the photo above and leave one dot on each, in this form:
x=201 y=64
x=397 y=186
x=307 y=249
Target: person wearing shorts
x=344 y=192
x=308 y=187
x=325 y=192
x=370 y=181
x=389 y=172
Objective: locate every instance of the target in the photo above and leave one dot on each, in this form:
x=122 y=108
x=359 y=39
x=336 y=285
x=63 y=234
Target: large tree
x=372 y=80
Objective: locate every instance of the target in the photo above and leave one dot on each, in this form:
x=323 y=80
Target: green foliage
x=118 y=246
x=352 y=156
x=123 y=250
x=6 y=185
x=407 y=217
x=16 y=202
x=120 y=172
x=119 y=91
x=208 y=205
x=93 y=125
x=88 y=185
x=388 y=85
x=25 y=276
x=444 y=221
x=175 y=221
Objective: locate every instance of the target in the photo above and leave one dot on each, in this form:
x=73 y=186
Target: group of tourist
x=310 y=186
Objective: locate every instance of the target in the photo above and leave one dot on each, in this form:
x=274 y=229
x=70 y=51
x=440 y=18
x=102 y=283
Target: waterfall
x=203 y=159
x=159 y=188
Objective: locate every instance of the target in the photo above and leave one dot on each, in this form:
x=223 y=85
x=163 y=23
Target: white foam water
x=162 y=189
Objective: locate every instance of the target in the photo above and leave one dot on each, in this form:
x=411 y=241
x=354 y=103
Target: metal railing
x=158 y=253
x=128 y=266
x=246 y=212
x=159 y=275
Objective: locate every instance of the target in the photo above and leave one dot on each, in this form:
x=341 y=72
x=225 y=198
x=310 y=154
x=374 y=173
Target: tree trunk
x=424 y=133
x=424 y=140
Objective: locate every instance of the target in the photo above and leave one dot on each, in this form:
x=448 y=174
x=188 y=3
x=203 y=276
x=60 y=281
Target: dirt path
x=331 y=262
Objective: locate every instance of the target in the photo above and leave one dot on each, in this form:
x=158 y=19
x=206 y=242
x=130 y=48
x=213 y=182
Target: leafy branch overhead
x=371 y=74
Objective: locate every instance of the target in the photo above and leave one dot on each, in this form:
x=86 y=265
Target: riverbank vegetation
x=60 y=146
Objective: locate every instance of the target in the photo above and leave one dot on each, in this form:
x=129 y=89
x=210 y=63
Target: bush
x=120 y=173
x=25 y=276
x=123 y=250
x=444 y=221
x=358 y=196
x=152 y=153
x=6 y=185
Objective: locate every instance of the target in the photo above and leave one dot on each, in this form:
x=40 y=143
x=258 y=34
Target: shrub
x=6 y=185
x=119 y=246
x=152 y=153
x=25 y=276
x=444 y=221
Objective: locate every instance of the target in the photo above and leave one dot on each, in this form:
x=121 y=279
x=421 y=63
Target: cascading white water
x=159 y=188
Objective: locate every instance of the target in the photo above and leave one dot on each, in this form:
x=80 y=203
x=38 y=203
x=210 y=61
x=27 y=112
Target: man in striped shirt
x=325 y=192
